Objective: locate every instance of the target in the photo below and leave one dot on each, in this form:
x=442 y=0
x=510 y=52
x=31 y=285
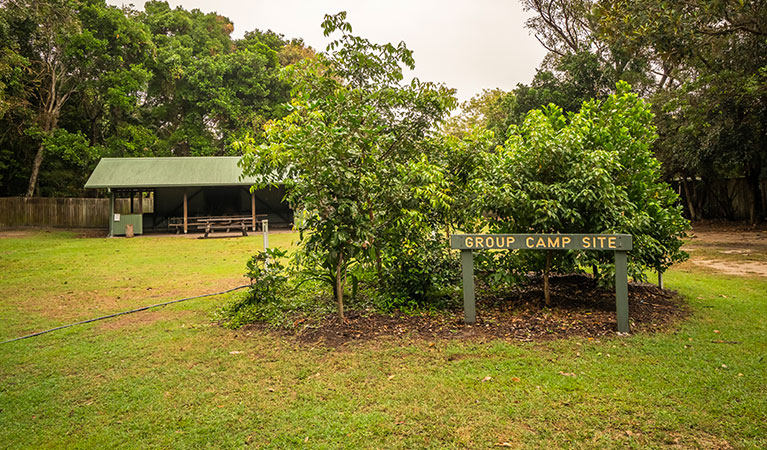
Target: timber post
x=253 y=208
x=265 y=232
x=469 y=301
x=186 y=209
x=111 y=213
x=621 y=291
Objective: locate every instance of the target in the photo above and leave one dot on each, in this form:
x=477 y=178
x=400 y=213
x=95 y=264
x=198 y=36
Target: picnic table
x=210 y=224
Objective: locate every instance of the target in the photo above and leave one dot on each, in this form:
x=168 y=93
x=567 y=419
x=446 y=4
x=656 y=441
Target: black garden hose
x=125 y=312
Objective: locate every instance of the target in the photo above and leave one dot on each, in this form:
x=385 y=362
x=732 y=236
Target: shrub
x=590 y=172
x=268 y=280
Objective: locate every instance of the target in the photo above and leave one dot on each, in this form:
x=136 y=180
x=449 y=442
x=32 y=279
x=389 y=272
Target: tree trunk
x=546 y=271
x=49 y=122
x=752 y=179
x=763 y=189
x=340 y=286
x=689 y=195
x=38 y=161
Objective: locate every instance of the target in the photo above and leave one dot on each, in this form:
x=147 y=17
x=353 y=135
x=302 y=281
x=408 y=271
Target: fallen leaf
x=487 y=378
x=390 y=377
x=567 y=374
x=724 y=366
x=235 y=352
x=515 y=379
x=716 y=331
x=503 y=444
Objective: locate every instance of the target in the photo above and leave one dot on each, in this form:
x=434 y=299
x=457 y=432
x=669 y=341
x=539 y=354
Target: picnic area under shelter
x=189 y=194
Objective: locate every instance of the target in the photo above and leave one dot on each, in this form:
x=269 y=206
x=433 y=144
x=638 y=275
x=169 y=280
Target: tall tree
x=710 y=103
x=43 y=32
x=207 y=89
x=66 y=49
x=701 y=62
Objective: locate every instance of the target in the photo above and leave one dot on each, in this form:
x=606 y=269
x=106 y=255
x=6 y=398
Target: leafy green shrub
x=419 y=275
x=590 y=172
x=268 y=280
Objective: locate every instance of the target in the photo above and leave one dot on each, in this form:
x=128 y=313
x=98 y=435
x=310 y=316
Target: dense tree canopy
x=702 y=64
x=81 y=80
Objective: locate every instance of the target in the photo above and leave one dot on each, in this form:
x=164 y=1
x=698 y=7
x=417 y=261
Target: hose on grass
x=144 y=308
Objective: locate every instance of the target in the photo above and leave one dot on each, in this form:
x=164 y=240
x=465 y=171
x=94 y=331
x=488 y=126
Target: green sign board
x=541 y=241
x=617 y=243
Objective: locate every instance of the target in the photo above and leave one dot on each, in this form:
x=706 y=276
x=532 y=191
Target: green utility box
x=119 y=221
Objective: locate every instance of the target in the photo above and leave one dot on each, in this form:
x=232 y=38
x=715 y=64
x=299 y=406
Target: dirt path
x=730 y=249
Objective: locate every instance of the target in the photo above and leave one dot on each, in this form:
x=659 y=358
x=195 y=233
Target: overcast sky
x=467 y=45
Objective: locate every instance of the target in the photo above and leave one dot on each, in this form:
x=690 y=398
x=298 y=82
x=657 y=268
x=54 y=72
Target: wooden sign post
x=620 y=244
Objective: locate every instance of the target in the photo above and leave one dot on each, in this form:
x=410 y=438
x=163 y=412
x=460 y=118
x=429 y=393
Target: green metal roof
x=176 y=171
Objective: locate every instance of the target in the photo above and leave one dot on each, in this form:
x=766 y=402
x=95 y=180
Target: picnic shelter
x=190 y=194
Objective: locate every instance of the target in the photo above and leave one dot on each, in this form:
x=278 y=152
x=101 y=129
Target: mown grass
x=171 y=378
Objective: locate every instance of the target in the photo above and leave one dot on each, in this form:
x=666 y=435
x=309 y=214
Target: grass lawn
x=171 y=378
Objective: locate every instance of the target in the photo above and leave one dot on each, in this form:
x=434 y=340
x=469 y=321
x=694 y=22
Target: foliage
x=353 y=126
x=66 y=50
x=701 y=63
x=268 y=281
x=567 y=82
x=435 y=196
x=419 y=274
x=157 y=82
x=590 y=172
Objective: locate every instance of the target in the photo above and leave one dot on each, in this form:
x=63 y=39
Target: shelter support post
x=141 y=202
x=131 y=201
x=253 y=208
x=467 y=269
x=111 y=213
x=186 y=221
x=622 y=291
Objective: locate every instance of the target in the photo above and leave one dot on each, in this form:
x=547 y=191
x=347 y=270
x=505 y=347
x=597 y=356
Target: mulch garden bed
x=579 y=308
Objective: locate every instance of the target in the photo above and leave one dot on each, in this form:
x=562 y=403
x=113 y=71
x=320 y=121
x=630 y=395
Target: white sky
x=467 y=45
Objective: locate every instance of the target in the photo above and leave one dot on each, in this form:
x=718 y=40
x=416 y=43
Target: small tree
x=352 y=125
x=590 y=172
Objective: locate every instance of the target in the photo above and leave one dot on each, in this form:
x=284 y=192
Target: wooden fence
x=725 y=198
x=63 y=212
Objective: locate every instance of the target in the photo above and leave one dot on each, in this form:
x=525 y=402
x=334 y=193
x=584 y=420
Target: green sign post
x=620 y=244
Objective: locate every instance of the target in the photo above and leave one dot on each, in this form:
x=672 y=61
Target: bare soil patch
x=740 y=268
x=734 y=249
x=580 y=308
x=6 y=234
